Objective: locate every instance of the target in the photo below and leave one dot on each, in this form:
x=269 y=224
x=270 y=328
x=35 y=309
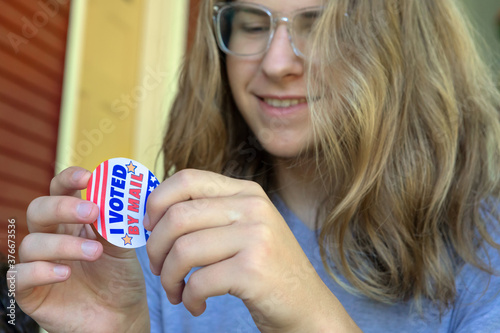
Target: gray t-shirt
x=477 y=306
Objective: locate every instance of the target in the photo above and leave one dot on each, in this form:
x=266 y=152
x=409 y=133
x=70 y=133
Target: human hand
x=69 y=281
x=233 y=231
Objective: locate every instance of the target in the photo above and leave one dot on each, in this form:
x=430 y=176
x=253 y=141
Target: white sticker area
x=121 y=187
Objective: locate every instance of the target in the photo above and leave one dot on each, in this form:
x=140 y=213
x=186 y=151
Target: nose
x=280 y=61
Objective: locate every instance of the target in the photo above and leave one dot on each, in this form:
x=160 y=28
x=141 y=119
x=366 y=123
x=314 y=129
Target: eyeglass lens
x=246 y=30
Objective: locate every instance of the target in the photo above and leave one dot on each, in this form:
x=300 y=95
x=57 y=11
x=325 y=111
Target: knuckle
x=199 y=205
x=25 y=246
x=59 y=209
x=254 y=265
x=180 y=249
x=63 y=247
x=153 y=202
x=195 y=287
x=186 y=177
x=164 y=279
x=262 y=235
x=153 y=256
x=253 y=186
x=31 y=210
x=150 y=250
x=54 y=184
x=61 y=178
x=38 y=271
x=258 y=205
x=181 y=252
x=254 y=262
x=166 y=282
x=176 y=216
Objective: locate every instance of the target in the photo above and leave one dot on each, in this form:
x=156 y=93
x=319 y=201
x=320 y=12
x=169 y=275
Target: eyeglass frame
x=276 y=19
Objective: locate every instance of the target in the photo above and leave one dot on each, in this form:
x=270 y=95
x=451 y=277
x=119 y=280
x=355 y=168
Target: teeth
x=284 y=103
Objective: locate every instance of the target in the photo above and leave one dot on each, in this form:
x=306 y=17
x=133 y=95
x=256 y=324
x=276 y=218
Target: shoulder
x=488 y=249
x=490 y=214
x=478 y=292
x=477 y=303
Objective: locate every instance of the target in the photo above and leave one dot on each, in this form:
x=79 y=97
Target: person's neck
x=299 y=187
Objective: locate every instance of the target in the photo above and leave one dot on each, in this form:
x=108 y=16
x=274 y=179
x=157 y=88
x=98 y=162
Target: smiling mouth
x=284 y=103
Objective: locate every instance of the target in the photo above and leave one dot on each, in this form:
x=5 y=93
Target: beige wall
x=163 y=46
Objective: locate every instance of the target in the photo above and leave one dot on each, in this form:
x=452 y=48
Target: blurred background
x=82 y=81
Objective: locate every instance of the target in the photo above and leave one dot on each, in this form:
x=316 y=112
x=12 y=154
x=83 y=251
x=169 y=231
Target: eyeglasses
x=245 y=29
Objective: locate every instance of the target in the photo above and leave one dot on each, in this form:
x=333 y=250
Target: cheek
x=240 y=73
x=232 y=69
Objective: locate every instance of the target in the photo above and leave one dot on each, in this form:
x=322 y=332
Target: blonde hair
x=407 y=137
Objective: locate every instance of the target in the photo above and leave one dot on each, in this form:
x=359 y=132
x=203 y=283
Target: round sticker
x=120 y=187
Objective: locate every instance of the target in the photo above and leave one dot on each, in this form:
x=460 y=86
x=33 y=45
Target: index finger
x=70 y=181
x=192 y=184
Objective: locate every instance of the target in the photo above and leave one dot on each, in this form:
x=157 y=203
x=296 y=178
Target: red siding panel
x=32 y=53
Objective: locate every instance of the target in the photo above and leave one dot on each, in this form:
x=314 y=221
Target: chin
x=285 y=144
x=286 y=151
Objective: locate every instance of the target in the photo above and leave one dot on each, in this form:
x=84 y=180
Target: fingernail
x=61 y=271
x=146 y=222
x=84 y=209
x=77 y=175
x=89 y=248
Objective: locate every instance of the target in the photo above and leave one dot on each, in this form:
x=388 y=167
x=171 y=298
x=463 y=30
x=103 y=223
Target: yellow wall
x=120 y=79
x=164 y=44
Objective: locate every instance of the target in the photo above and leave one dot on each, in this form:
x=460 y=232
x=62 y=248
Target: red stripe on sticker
x=103 y=199
x=96 y=192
